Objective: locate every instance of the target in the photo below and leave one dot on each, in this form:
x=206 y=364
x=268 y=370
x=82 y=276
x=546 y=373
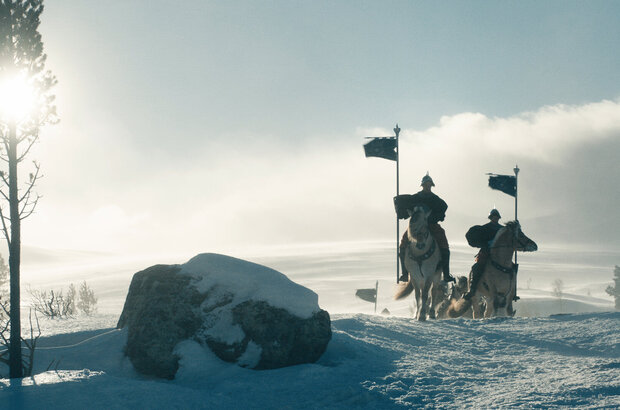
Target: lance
x=516 y=170
x=397 y=131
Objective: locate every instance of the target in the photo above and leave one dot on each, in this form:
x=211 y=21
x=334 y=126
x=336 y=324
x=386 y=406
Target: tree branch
x=33 y=180
x=23 y=214
x=23 y=155
x=4 y=228
x=3 y=176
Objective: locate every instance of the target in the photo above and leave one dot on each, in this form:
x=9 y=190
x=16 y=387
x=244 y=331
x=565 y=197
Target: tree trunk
x=15 y=347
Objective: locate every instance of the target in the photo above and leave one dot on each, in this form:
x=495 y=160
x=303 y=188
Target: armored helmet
x=427 y=178
x=494 y=212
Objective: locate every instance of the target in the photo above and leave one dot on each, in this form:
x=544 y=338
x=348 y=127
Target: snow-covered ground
x=557 y=352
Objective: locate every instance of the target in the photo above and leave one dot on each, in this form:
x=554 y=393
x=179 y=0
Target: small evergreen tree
x=71 y=295
x=614 y=291
x=558 y=290
x=87 y=301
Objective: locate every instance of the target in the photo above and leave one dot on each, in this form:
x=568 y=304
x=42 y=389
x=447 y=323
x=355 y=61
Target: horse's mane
x=419 y=208
x=512 y=225
x=509 y=227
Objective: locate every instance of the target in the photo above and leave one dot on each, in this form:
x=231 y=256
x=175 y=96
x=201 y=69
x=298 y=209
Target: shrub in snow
x=54 y=305
x=245 y=313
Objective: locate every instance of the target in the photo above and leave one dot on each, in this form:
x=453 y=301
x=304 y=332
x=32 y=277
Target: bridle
x=519 y=241
x=512 y=269
x=423 y=234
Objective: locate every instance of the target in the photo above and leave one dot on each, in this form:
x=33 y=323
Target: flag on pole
x=505 y=183
x=369 y=295
x=382 y=147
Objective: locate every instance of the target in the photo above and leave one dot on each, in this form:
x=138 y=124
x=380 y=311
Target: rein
x=510 y=271
x=424 y=233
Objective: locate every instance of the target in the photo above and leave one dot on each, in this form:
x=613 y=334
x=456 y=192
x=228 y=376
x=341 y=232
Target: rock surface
x=245 y=313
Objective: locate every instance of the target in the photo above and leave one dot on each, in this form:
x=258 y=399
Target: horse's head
x=418 y=222
x=514 y=236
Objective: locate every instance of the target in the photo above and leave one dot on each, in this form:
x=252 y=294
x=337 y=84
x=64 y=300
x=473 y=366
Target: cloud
x=550 y=134
x=253 y=191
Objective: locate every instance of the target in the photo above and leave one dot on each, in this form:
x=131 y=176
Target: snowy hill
x=372 y=362
x=538 y=359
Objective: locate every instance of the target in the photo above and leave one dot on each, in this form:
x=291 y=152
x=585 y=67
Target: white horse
x=422 y=260
x=499 y=279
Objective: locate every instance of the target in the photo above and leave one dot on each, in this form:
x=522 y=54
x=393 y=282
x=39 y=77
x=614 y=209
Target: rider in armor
x=487 y=233
x=438 y=207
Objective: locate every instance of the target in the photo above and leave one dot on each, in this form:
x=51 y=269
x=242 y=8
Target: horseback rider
x=486 y=233
x=438 y=207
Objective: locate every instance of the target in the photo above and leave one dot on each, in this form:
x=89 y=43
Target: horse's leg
x=418 y=302
x=476 y=307
x=490 y=309
x=476 y=312
x=431 y=312
x=513 y=291
x=424 y=302
x=437 y=297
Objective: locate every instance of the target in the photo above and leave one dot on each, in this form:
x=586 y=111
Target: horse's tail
x=458 y=307
x=403 y=290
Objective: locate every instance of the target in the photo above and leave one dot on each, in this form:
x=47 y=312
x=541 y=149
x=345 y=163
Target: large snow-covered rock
x=244 y=312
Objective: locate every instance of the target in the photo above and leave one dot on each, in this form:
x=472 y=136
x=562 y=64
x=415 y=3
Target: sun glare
x=16 y=98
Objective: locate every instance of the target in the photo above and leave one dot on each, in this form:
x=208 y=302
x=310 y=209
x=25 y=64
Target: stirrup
x=515 y=298
x=404 y=278
x=449 y=278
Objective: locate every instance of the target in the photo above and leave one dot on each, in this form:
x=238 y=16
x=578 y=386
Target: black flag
x=382 y=147
x=505 y=183
x=369 y=295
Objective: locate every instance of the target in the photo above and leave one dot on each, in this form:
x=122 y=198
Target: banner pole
x=397 y=131
x=516 y=170
x=376 y=294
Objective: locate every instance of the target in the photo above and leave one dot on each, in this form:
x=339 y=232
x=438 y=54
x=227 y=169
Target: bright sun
x=16 y=98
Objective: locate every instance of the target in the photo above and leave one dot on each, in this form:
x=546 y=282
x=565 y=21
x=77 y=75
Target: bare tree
x=27 y=105
x=558 y=290
x=57 y=305
x=30 y=344
x=54 y=305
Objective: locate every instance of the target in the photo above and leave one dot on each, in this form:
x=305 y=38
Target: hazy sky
x=205 y=125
